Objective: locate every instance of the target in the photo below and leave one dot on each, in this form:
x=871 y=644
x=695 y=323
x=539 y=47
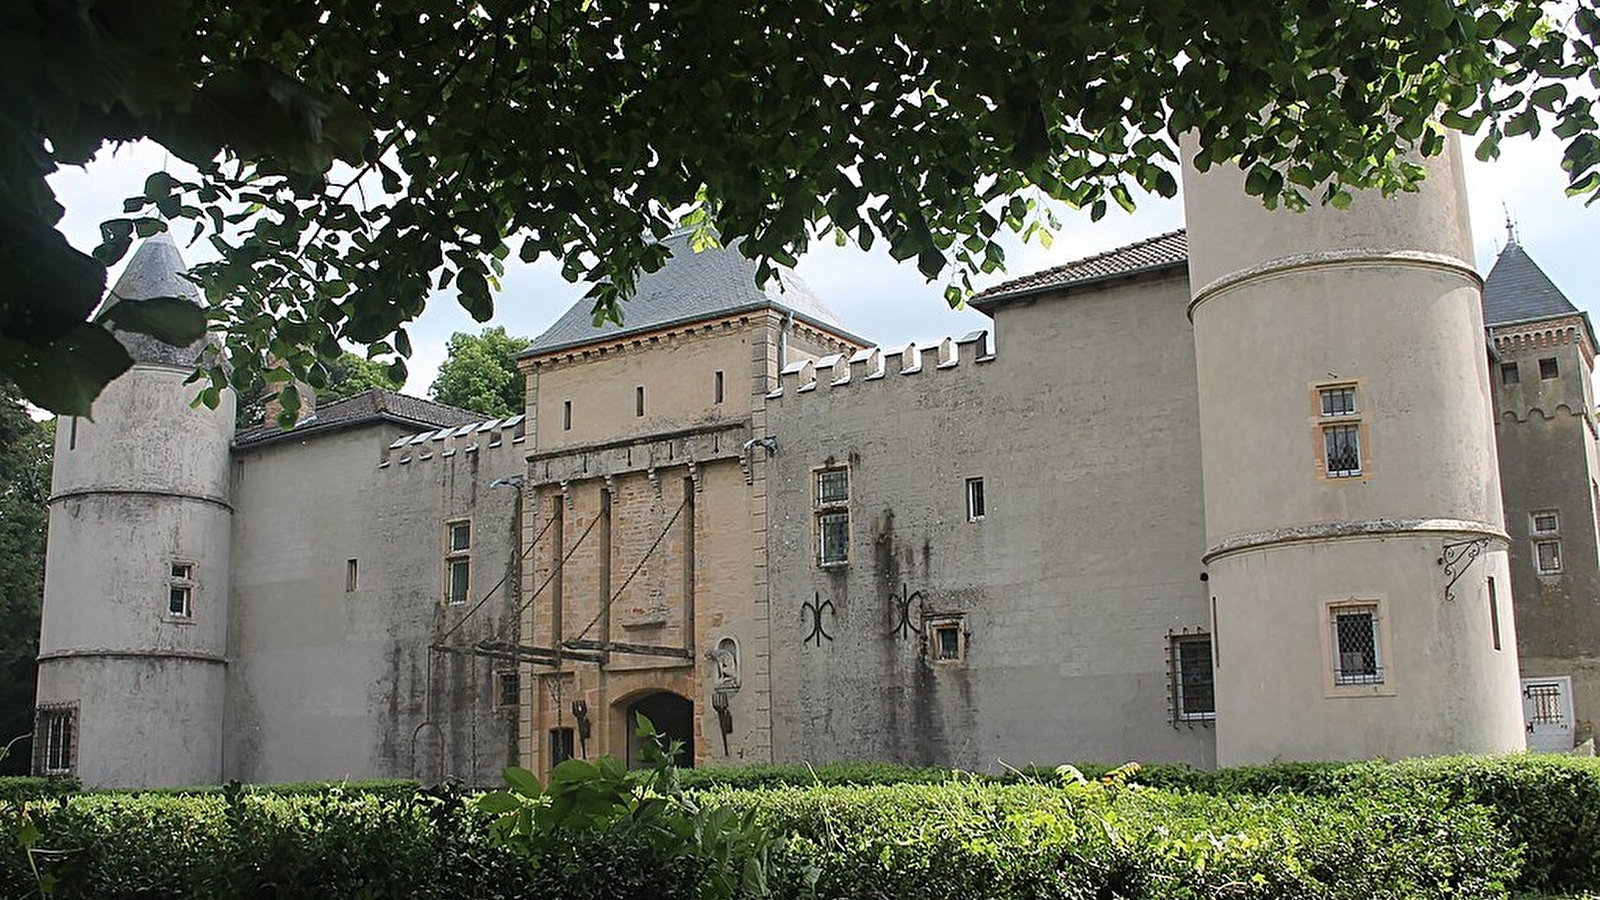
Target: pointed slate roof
x=359 y=409
x=156 y=270
x=1153 y=254
x=1517 y=290
x=691 y=287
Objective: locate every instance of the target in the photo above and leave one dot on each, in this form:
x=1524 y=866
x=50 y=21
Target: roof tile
x=1151 y=254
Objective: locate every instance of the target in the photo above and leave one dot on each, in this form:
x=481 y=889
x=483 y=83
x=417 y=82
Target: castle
x=1263 y=489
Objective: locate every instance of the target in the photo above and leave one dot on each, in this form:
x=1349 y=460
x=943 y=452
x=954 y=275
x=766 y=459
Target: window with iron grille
x=947 y=640
x=1356 y=656
x=180 y=590
x=1509 y=373
x=510 y=687
x=1339 y=430
x=1545 y=522
x=1547 y=557
x=458 y=562
x=55 y=740
x=833 y=516
x=974 y=499
x=1548 y=368
x=1544 y=704
x=1341 y=450
x=1193 y=692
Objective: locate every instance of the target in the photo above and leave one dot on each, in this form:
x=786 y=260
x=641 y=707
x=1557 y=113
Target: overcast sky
x=890 y=302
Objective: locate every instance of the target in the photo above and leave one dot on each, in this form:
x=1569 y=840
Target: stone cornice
x=1356 y=257
x=102 y=653
x=1344 y=531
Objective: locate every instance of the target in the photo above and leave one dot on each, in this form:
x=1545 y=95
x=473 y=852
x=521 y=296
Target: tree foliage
x=348 y=374
x=355 y=157
x=480 y=373
x=25 y=456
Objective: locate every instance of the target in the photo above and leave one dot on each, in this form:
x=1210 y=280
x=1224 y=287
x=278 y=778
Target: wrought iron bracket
x=1457 y=558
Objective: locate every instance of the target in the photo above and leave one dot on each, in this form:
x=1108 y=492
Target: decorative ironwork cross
x=815 y=607
x=900 y=613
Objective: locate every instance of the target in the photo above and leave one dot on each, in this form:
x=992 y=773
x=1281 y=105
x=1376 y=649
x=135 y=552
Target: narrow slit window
x=458 y=562
x=975 y=506
x=716 y=388
x=352 y=575
x=638 y=401
x=1494 y=614
x=72 y=433
x=566 y=415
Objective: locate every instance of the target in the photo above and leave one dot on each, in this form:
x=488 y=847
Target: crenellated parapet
x=501 y=438
x=877 y=364
x=1542 y=334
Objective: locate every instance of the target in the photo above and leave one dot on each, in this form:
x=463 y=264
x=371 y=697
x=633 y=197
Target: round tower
x=132 y=650
x=1356 y=546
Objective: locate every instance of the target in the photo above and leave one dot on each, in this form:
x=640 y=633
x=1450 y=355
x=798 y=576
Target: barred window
x=55 y=740
x=833 y=516
x=947 y=640
x=1193 y=691
x=1342 y=450
x=1339 y=401
x=1548 y=557
x=1356 y=655
x=975 y=508
x=1545 y=524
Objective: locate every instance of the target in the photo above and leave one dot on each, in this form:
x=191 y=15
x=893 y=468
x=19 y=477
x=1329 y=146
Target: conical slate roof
x=156 y=270
x=691 y=287
x=1517 y=290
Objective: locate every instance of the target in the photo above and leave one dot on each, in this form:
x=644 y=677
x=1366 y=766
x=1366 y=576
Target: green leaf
x=171 y=320
x=498 y=802
x=65 y=376
x=523 y=781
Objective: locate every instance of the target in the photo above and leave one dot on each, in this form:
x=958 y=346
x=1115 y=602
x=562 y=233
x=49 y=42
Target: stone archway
x=672 y=716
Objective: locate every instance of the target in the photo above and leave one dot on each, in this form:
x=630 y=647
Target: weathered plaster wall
x=329 y=683
x=1084 y=430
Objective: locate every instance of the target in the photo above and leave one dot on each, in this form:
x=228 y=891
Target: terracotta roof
x=368 y=406
x=1517 y=290
x=690 y=287
x=1164 y=251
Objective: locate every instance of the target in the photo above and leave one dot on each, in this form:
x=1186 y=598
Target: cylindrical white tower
x=132 y=650
x=1356 y=542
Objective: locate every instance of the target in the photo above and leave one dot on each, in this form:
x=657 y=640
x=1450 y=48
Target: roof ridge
x=1158 y=251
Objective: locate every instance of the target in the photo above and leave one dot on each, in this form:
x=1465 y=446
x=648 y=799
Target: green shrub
x=800 y=775
x=17 y=788
x=961 y=838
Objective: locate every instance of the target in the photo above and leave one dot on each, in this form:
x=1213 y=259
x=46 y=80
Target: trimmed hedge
x=914 y=841
x=17 y=788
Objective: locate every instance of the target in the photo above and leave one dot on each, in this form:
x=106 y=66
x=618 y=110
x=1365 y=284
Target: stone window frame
x=46 y=715
x=1545 y=537
x=455 y=556
x=1381 y=684
x=181 y=583
x=830 y=509
x=1549 y=368
x=1324 y=422
x=1175 y=643
x=938 y=626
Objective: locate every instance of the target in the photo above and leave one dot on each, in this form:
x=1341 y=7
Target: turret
x=1356 y=542
x=132 y=650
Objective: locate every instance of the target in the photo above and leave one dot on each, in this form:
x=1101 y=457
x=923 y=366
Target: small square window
x=1355 y=644
x=1547 y=557
x=947 y=641
x=510 y=688
x=833 y=486
x=1548 y=368
x=1339 y=401
x=1546 y=522
x=1193 y=689
x=974 y=499
x=1342 y=450
x=460 y=536
x=1509 y=373
x=183 y=571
